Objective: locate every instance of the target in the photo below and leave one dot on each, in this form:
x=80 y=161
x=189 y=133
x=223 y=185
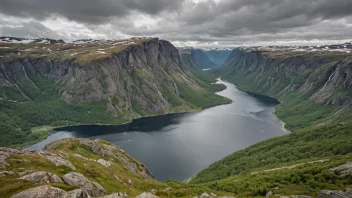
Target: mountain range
x=45 y=83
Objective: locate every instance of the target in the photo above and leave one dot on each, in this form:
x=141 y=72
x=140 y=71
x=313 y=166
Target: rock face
x=142 y=73
x=146 y=195
x=116 y=195
x=42 y=192
x=78 y=193
x=42 y=177
x=196 y=58
x=299 y=79
x=114 y=82
x=104 y=163
x=59 y=161
x=218 y=56
x=343 y=170
x=325 y=76
x=335 y=193
x=6 y=173
x=211 y=195
x=77 y=179
x=54 y=158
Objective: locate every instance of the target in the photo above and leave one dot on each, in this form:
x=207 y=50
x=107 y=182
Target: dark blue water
x=179 y=146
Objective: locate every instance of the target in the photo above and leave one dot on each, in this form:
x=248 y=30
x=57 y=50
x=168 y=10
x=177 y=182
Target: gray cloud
x=87 y=11
x=201 y=22
x=30 y=29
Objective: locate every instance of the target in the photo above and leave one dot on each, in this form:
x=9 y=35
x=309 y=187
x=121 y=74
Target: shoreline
x=54 y=129
x=254 y=93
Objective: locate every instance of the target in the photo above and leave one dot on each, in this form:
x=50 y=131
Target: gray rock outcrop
x=116 y=195
x=343 y=170
x=78 y=193
x=7 y=173
x=335 y=193
x=104 y=163
x=42 y=192
x=211 y=195
x=78 y=180
x=42 y=177
x=147 y=195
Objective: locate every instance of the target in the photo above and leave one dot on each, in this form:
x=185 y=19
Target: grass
x=308 y=179
x=301 y=146
x=112 y=179
x=320 y=132
x=81 y=54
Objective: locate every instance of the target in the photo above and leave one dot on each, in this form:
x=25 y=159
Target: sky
x=197 y=23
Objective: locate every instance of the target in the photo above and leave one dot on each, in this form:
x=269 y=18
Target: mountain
x=218 y=55
x=105 y=82
x=195 y=58
x=314 y=86
x=4 y=39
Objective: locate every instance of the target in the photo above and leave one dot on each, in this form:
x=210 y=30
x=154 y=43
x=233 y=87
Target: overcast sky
x=200 y=23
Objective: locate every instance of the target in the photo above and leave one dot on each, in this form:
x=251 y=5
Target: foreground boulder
x=42 y=192
x=77 y=179
x=78 y=193
x=42 y=177
x=211 y=195
x=147 y=195
x=116 y=195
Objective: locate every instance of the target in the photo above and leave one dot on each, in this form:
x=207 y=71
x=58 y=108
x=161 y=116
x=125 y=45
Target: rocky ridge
x=92 y=168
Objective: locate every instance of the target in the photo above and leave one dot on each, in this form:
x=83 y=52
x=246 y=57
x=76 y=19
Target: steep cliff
x=218 y=55
x=196 y=58
x=107 y=82
x=314 y=86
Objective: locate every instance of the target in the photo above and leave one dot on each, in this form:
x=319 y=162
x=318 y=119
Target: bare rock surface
x=116 y=195
x=77 y=179
x=54 y=158
x=42 y=192
x=42 y=177
x=335 y=193
x=147 y=195
x=57 y=159
x=7 y=173
x=25 y=172
x=78 y=193
x=343 y=170
x=211 y=195
x=4 y=154
x=104 y=163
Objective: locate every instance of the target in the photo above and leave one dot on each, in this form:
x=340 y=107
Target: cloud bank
x=203 y=23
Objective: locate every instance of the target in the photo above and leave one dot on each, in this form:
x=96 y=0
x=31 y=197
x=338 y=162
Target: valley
x=179 y=146
x=175 y=119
